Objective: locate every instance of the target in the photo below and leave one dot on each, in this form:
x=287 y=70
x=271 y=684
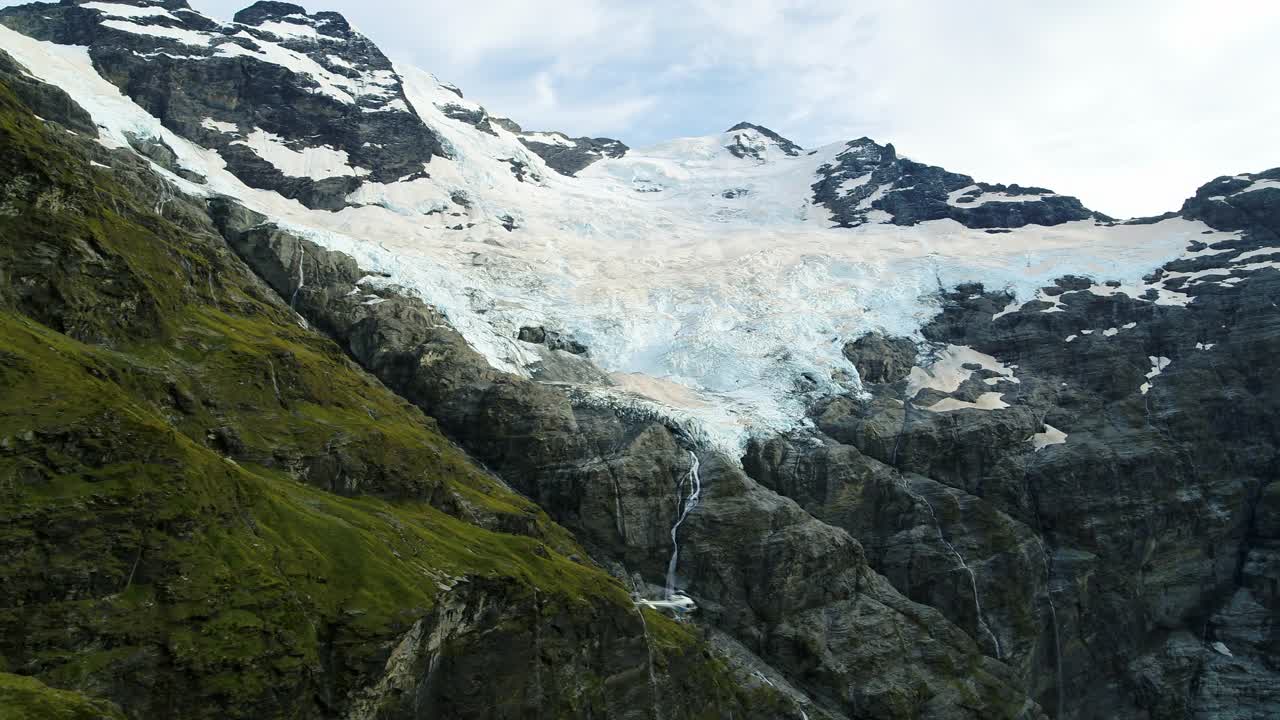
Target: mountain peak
x=264 y=11
x=745 y=146
x=165 y=4
x=254 y=234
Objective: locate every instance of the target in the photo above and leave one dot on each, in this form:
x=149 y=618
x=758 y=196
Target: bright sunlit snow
x=316 y=163
x=127 y=11
x=712 y=305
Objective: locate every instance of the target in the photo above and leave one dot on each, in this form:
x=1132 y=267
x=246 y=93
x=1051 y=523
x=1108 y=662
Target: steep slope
x=794 y=592
x=1084 y=481
x=866 y=178
x=293 y=103
x=210 y=512
x=24 y=698
x=698 y=262
x=959 y=449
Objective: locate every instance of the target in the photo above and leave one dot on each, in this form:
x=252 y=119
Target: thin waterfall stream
x=973 y=579
x=1053 y=617
x=684 y=506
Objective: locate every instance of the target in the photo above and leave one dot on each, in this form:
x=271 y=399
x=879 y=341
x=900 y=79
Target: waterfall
x=653 y=679
x=683 y=508
x=619 y=521
x=271 y=368
x=302 y=255
x=1057 y=652
x=1053 y=618
x=973 y=579
x=165 y=193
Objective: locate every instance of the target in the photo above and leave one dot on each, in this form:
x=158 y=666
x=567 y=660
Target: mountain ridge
x=300 y=32
x=824 y=433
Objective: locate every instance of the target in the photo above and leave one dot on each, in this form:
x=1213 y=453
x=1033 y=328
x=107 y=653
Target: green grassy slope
x=206 y=510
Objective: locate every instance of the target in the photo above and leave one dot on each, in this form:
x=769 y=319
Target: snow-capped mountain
x=733 y=265
x=905 y=443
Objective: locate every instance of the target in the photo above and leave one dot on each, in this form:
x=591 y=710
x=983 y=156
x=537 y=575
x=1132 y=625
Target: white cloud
x=545 y=111
x=544 y=94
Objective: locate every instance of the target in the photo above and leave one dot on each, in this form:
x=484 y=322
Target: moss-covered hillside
x=206 y=510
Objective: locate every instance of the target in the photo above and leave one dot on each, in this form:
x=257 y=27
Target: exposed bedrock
x=795 y=590
x=1109 y=532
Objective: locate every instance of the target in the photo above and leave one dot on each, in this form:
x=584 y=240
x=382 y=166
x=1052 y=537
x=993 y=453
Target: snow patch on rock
x=947 y=372
x=182 y=35
x=1158 y=365
x=316 y=163
x=119 y=10
x=1049 y=436
x=985 y=401
x=222 y=127
x=984 y=197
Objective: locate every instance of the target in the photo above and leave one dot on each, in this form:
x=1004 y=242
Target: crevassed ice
x=735 y=300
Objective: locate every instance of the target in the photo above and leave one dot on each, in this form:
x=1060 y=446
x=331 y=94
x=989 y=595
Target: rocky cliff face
x=867 y=177
x=209 y=511
x=802 y=599
x=1105 y=533
x=275 y=83
x=246 y=474
x=568 y=155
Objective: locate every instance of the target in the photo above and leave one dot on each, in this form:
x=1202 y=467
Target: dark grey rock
x=46 y=101
x=911 y=192
x=475 y=117
x=155 y=150
x=572 y=154
x=552 y=339
x=184 y=88
x=507 y=124
x=880 y=358
x=739 y=147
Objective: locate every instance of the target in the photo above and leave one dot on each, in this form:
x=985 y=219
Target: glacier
x=709 y=285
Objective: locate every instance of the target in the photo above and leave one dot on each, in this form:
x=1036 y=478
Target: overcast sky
x=1128 y=104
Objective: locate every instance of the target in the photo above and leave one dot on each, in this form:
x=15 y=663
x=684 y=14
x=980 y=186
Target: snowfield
x=726 y=309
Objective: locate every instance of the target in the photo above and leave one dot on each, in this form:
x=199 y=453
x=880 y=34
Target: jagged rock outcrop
x=296 y=103
x=1056 y=506
x=868 y=177
x=552 y=339
x=567 y=155
x=749 y=141
x=881 y=359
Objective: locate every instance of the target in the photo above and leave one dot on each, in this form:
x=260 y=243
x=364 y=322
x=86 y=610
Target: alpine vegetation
x=326 y=393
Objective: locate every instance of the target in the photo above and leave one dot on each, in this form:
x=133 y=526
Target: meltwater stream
x=1053 y=617
x=302 y=280
x=961 y=564
x=683 y=507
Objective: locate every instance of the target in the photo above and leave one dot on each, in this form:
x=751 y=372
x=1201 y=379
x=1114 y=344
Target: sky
x=1128 y=104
